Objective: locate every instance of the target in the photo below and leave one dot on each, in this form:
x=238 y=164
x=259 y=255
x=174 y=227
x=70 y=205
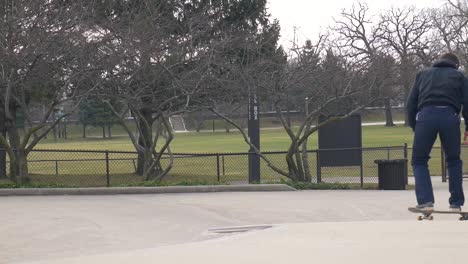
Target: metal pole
x=217 y=167
x=405 y=155
x=362 y=175
x=56 y=167
x=319 y=168
x=254 y=135
x=224 y=168
x=405 y=151
x=107 y=170
x=362 y=172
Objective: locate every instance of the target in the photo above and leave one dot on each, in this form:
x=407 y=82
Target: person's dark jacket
x=440 y=85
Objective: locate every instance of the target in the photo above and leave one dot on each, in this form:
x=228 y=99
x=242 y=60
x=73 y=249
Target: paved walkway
x=322 y=226
x=351 y=242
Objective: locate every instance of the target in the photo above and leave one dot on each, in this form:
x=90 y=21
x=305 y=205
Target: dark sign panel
x=254 y=135
x=340 y=142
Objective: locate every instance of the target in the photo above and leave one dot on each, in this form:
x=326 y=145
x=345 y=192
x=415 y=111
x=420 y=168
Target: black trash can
x=393 y=174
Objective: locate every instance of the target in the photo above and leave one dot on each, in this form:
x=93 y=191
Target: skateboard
x=428 y=215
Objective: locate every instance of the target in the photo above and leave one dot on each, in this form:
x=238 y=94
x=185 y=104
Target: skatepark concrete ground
x=313 y=226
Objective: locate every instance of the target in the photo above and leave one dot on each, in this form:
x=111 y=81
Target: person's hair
x=451 y=57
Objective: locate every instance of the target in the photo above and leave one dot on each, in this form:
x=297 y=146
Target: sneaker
x=425 y=207
x=455 y=208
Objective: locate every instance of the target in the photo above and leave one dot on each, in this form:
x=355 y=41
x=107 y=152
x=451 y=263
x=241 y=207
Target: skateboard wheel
x=431 y=218
x=462 y=218
x=420 y=218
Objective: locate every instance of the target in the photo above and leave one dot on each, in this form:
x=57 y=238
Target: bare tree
x=403 y=30
x=307 y=71
x=348 y=92
x=160 y=58
x=362 y=38
x=357 y=33
x=43 y=55
x=450 y=23
x=460 y=6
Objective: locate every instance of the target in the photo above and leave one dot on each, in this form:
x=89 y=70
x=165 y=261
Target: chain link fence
x=79 y=168
x=437 y=164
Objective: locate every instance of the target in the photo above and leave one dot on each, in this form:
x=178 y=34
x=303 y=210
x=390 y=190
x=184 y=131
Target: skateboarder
x=434 y=105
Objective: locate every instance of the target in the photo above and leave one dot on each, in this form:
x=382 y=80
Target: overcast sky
x=311 y=17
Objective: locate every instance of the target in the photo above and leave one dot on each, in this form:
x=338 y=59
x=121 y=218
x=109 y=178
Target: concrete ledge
x=146 y=190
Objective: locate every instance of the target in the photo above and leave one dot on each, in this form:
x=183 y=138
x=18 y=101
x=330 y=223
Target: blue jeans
x=430 y=121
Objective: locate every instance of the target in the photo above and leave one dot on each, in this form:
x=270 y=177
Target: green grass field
x=209 y=142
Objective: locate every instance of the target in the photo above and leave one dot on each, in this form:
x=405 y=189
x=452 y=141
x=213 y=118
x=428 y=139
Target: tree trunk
x=199 y=121
x=65 y=136
x=140 y=168
x=405 y=105
x=406 y=82
x=292 y=169
x=300 y=165
x=145 y=139
x=84 y=131
x=18 y=163
x=3 y=164
x=145 y=159
x=103 y=132
x=19 y=167
x=388 y=113
x=54 y=130
x=109 y=131
x=144 y=162
x=59 y=131
x=295 y=163
x=305 y=160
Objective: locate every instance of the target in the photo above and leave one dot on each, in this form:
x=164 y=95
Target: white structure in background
x=178 y=123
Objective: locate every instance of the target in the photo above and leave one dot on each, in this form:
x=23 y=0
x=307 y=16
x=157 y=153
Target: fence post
x=217 y=166
x=388 y=153
x=56 y=168
x=319 y=169
x=405 y=151
x=107 y=169
x=361 y=170
x=405 y=156
x=224 y=168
